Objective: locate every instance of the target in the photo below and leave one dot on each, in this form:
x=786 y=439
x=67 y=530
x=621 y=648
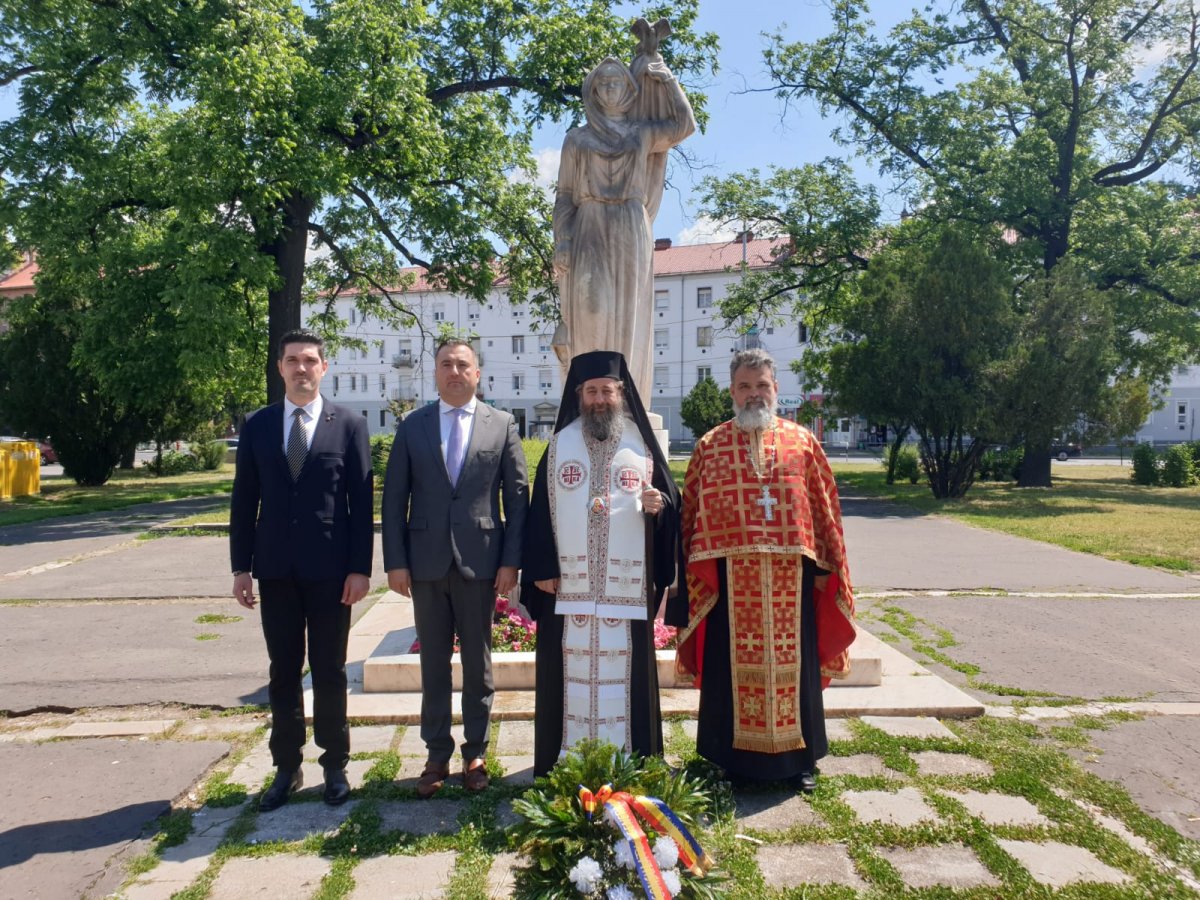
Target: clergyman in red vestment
x=770 y=606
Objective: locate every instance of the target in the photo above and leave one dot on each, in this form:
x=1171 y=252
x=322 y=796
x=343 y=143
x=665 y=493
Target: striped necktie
x=297 y=448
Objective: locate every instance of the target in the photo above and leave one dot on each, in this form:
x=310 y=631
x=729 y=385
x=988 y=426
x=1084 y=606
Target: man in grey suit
x=445 y=544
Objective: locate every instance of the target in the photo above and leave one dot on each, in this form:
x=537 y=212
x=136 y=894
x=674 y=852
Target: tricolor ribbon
x=624 y=810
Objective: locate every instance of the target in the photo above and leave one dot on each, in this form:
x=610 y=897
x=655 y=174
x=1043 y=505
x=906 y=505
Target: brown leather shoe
x=475 y=776
x=432 y=779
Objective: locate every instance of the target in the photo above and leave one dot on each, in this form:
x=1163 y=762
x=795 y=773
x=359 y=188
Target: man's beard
x=601 y=424
x=753 y=416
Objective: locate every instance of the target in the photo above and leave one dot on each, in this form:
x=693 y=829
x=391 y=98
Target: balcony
x=402 y=361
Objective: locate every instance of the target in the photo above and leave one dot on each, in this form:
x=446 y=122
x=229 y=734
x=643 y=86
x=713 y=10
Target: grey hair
x=751 y=359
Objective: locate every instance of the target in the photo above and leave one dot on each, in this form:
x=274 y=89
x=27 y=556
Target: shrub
x=1002 y=464
x=381 y=449
x=908 y=465
x=1145 y=464
x=173 y=463
x=209 y=454
x=1178 y=467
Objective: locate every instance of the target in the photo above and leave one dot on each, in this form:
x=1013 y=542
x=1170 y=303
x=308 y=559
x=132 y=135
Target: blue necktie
x=456 y=446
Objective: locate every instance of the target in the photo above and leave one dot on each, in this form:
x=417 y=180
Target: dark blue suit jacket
x=320 y=527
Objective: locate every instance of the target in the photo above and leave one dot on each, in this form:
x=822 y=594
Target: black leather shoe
x=286 y=782
x=337 y=788
x=806 y=781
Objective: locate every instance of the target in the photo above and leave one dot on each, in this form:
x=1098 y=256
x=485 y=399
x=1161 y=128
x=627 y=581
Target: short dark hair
x=302 y=336
x=457 y=342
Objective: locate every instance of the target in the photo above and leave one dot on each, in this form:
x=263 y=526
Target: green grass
x=60 y=496
x=1093 y=509
x=216 y=619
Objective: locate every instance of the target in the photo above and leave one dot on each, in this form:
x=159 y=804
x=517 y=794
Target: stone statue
x=610 y=182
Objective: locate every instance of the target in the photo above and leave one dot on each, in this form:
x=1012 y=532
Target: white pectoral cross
x=767 y=502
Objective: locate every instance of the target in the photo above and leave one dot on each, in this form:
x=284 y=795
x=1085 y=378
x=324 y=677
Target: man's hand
x=355 y=589
x=400 y=581
x=243 y=589
x=549 y=585
x=506 y=579
x=652 y=501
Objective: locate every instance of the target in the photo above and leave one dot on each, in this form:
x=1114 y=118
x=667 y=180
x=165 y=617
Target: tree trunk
x=284 y=299
x=1035 y=467
x=128 y=456
x=901 y=434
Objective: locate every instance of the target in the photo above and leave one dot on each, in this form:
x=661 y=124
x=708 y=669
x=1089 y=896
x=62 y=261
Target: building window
x=704 y=336
x=544 y=343
x=1181 y=414
x=703 y=297
x=353 y=381
x=383 y=418
x=545 y=381
x=703 y=372
x=383 y=384
x=518 y=343
x=770 y=329
x=382 y=348
x=335 y=383
x=802 y=333
x=660 y=339
x=662 y=299
x=364 y=413
x=518 y=310
x=472 y=312
x=662 y=376
x=518 y=381
x=439 y=312
x=365 y=387
x=352 y=315
x=362 y=353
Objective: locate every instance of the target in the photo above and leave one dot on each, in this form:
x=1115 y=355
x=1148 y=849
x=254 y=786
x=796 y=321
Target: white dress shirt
x=312 y=412
x=446 y=420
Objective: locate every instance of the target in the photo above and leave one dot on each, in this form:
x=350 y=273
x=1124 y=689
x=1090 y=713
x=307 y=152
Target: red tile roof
x=714 y=257
x=19 y=281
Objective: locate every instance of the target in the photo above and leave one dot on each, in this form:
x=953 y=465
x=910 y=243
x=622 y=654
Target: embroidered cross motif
x=767 y=502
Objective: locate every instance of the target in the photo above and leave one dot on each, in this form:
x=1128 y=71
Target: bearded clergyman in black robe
x=601 y=548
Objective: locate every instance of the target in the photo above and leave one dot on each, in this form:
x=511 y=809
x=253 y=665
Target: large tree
x=1069 y=126
x=705 y=407
x=387 y=132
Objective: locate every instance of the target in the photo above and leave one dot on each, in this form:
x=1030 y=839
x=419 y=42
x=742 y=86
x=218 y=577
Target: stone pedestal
x=660 y=433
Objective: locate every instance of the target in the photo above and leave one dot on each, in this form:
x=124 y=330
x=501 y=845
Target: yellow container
x=27 y=473
x=6 y=470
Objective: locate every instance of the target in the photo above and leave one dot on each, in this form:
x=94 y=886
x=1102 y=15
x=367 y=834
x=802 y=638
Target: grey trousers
x=442 y=607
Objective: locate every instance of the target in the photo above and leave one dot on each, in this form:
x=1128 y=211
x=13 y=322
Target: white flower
x=666 y=853
x=586 y=875
x=620 y=892
x=671 y=880
x=624 y=854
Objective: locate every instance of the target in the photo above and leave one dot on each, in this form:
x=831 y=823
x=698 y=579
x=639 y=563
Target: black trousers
x=293 y=608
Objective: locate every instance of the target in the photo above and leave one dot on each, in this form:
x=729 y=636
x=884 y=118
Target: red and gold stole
x=763 y=536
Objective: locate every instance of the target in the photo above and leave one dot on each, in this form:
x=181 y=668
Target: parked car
x=1065 y=451
x=49 y=457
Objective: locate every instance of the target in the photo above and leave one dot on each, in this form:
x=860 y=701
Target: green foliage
x=705 y=407
x=172 y=462
x=535 y=449
x=381 y=449
x=1146 y=464
x=195 y=161
x=554 y=833
x=1001 y=464
x=1178 y=467
x=902 y=462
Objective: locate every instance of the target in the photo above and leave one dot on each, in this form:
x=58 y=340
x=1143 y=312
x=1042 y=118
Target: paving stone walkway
x=919 y=809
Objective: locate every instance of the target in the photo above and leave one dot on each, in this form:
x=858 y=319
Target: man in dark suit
x=302 y=523
x=445 y=544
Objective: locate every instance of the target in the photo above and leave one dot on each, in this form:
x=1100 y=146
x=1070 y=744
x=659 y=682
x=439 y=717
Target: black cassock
x=539 y=562
x=714 y=725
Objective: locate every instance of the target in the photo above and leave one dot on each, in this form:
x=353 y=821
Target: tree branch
x=482 y=85
x=17 y=74
x=385 y=229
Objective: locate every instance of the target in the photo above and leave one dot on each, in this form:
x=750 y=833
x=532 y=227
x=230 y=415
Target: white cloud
x=547 y=166
x=706 y=231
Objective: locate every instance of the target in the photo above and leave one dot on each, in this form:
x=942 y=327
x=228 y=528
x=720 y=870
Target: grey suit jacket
x=429 y=524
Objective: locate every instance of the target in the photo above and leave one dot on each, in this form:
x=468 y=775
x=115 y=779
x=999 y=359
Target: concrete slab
x=403 y=877
x=516 y=739
x=295 y=821
x=1056 y=864
x=792 y=865
x=505 y=816
x=284 y=876
x=862 y=764
x=501 y=883
x=412 y=745
x=773 y=811
x=835 y=730
x=436 y=816
x=1000 y=809
x=905 y=807
x=935 y=762
x=68 y=811
x=217 y=726
x=117 y=729
x=910 y=726
x=371 y=738
x=950 y=866
x=518 y=770
x=254 y=768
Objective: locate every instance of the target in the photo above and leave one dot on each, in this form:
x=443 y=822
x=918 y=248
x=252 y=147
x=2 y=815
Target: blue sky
x=745 y=130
